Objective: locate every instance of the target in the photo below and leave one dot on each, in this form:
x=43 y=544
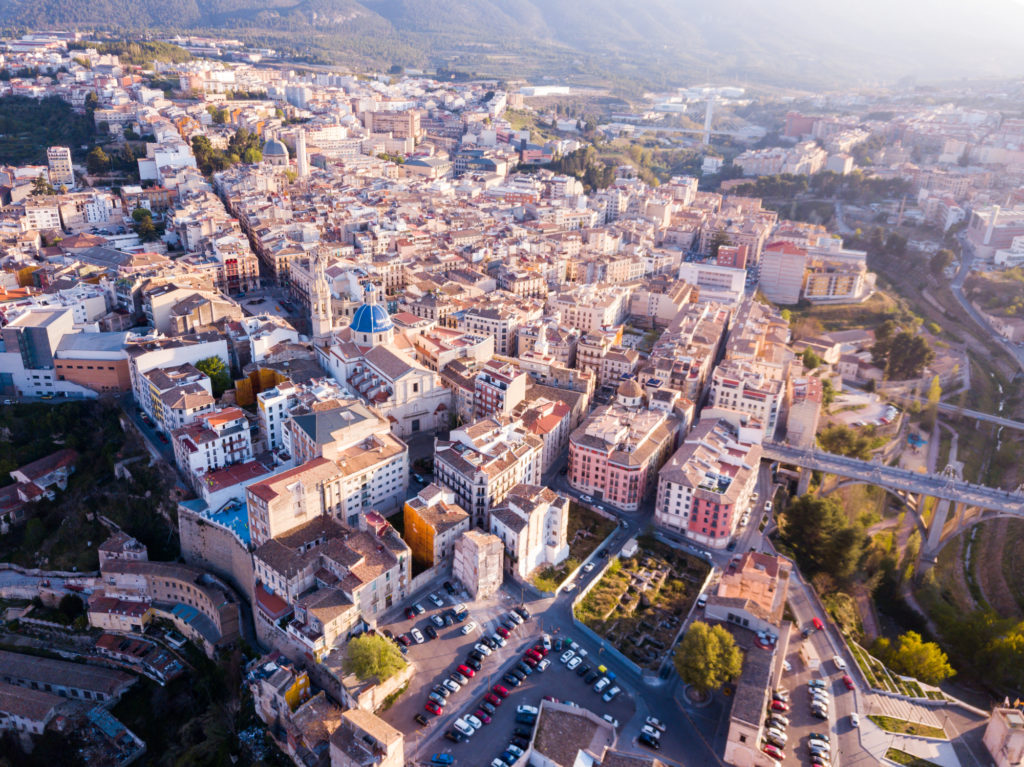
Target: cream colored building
x=478 y=563
x=1004 y=737
x=366 y=740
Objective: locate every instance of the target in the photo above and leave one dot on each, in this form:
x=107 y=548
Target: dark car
x=522 y=732
x=518 y=673
x=431 y=632
x=449 y=587
x=512 y=679
x=524 y=668
x=455 y=736
x=421 y=720
x=523 y=612
x=476 y=655
x=531 y=662
x=647 y=740
x=388 y=634
x=522 y=743
x=591 y=677
x=582 y=670
x=461 y=616
x=162 y=437
x=509 y=624
x=489 y=707
x=490 y=643
x=474 y=664
x=410 y=613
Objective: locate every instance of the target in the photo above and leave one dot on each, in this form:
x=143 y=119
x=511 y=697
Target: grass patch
x=902 y=757
x=843 y=608
x=903 y=727
x=586 y=531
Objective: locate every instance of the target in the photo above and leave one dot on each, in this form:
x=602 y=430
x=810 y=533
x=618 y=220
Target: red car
x=778 y=705
x=816 y=622
x=466 y=671
x=500 y=691
x=530 y=661
x=493 y=699
x=404 y=639
x=848 y=681
x=503 y=631
x=482 y=716
x=541 y=649
x=433 y=708
x=534 y=654
x=410 y=613
x=773 y=751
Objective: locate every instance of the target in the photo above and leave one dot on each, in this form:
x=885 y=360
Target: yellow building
x=433 y=520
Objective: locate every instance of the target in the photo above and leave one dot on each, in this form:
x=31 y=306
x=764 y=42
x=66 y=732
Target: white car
x=543 y=665
x=516 y=618
x=855 y=719
x=611 y=720
x=570 y=587
x=475 y=723
x=482 y=648
x=460 y=608
x=610 y=695
x=650 y=731
x=499 y=639
x=451 y=684
x=546 y=639
x=512 y=748
x=567 y=656
x=418 y=608
x=840 y=663
x=654 y=722
x=437 y=600
x=524 y=709
x=417 y=635
x=588 y=567
x=574 y=662
x=787 y=666
x=463 y=726
x=471 y=626
x=768 y=506
x=601 y=683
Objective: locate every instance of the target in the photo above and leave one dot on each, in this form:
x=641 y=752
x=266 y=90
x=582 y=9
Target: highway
x=895 y=478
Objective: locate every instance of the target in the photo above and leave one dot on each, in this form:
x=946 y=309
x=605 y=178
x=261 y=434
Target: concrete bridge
x=969 y=503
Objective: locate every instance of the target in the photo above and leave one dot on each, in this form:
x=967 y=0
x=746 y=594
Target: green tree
x=821 y=537
x=97 y=161
x=902 y=356
x=707 y=657
x=218 y=372
x=942 y=259
x=41 y=187
x=922 y=660
x=810 y=359
x=373 y=656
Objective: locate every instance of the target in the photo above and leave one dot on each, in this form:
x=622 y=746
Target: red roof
x=785 y=247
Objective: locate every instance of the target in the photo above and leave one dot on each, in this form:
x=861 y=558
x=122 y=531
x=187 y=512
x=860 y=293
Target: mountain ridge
x=786 y=41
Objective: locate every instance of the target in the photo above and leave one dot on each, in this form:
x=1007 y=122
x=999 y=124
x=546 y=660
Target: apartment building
x=212 y=441
x=615 y=454
x=782 y=272
x=744 y=387
x=482 y=462
x=532 y=523
x=706 y=486
x=366 y=740
x=478 y=563
x=58 y=161
x=292 y=498
x=498 y=388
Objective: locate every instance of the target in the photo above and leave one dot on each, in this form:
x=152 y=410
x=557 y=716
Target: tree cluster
x=853 y=187
x=912 y=656
x=842 y=440
x=28 y=126
x=373 y=656
x=707 y=657
x=585 y=165
x=140 y=53
x=821 y=536
x=144 y=227
x=242 y=147
x=900 y=353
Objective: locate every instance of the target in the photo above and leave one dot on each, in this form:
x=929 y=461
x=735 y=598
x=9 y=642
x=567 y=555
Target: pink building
x=615 y=454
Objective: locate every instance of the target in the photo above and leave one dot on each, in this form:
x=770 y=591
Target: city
x=354 y=418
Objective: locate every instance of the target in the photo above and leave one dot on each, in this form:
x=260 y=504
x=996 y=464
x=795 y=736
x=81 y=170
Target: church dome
x=371 y=318
x=275 y=148
x=630 y=389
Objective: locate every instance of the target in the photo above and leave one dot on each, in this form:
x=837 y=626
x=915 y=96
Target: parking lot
x=436 y=658
x=801 y=721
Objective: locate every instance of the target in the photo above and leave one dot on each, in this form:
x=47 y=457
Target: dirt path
x=989 y=571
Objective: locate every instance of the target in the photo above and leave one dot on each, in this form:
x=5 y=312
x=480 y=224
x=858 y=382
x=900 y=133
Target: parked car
x=463 y=726
x=431 y=632
x=502 y=632
x=647 y=740
x=609 y=696
x=433 y=708
x=417 y=635
x=482 y=648
x=469 y=627
x=449 y=587
x=531 y=662
x=442 y=759
x=534 y=654
x=543 y=665
x=567 y=656
x=582 y=670
x=466 y=671
x=458 y=677
x=546 y=641
x=482 y=716
x=455 y=736
x=855 y=719
x=840 y=663
x=848 y=681
x=773 y=751
x=498 y=639
x=573 y=663
x=404 y=639
x=648 y=730
x=451 y=684
x=410 y=613
x=437 y=600
x=655 y=723
x=438 y=699
x=421 y=720
x=512 y=680
x=522 y=611
x=474 y=664
x=602 y=683
x=501 y=692
x=778 y=705
x=475 y=723
x=524 y=668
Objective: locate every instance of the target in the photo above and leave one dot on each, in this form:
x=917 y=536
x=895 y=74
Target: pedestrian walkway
x=935 y=751
x=883 y=705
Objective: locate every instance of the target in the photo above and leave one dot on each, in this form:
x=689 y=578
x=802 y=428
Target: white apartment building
x=591 y=307
x=782 y=272
x=58 y=160
x=739 y=385
x=214 y=440
x=482 y=462
x=533 y=524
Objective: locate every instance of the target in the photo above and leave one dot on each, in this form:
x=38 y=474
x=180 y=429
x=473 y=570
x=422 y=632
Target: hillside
x=787 y=42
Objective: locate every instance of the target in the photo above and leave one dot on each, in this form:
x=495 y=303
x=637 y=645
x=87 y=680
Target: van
x=702 y=601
